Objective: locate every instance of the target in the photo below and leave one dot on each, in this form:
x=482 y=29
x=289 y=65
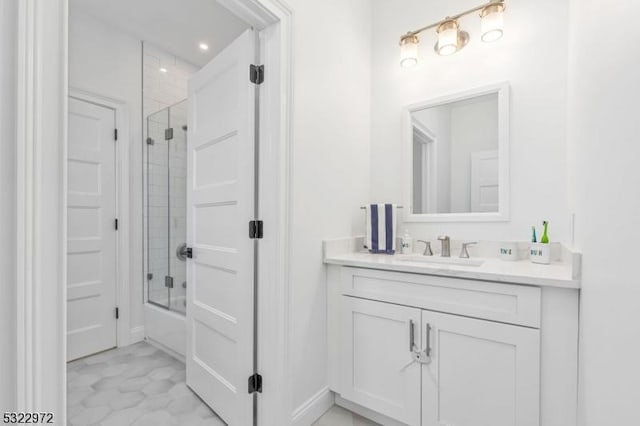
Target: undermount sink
x=439 y=260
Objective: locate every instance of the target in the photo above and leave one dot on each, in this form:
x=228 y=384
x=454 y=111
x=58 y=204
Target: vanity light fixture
x=409 y=50
x=450 y=37
x=492 y=22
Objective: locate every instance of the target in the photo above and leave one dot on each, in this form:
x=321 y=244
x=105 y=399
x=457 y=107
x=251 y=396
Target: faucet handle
x=443 y=237
x=427 y=247
x=464 y=253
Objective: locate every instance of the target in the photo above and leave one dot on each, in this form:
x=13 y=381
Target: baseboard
x=137 y=334
x=366 y=413
x=311 y=410
x=166 y=349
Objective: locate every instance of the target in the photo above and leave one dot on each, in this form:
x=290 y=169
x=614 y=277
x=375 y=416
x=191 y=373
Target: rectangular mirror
x=458 y=157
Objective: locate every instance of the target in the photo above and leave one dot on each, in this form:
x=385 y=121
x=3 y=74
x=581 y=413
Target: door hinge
x=168 y=134
x=115 y=134
x=256 y=74
x=115 y=224
x=117 y=313
x=255 y=383
x=256 y=229
x=150 y=141
x=149 y=276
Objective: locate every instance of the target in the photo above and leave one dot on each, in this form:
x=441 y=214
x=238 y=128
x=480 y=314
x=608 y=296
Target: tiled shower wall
x=164 y=170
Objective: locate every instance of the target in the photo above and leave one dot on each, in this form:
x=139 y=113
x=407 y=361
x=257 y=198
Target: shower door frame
x=41 y=114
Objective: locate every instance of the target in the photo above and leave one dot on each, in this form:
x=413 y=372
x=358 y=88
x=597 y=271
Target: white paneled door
x=485 y=181
x=220 y=203
x=91 y=246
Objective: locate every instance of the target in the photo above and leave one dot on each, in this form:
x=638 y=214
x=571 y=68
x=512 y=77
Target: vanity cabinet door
x=377 y=368
x=481 y=373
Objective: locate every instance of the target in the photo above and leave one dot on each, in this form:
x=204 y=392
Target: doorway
x=199 y=168
x=424 y=185
x=199 y=173
x=42 y=170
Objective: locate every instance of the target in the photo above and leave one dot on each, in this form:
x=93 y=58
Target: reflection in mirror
x=455 y=157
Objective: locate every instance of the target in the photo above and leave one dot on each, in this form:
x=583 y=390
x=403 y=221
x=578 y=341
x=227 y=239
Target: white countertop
x=563 y=272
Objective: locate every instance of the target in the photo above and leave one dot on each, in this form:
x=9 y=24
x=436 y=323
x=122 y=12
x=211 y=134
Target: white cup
x=508 y=251
x=540 y=253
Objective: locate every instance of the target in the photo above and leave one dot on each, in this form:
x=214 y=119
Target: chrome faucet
x=446 y=246
x=427 y=248
x=464 y=253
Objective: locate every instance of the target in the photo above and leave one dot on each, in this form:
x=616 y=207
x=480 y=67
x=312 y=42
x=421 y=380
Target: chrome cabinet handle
x=412 y=336
x=419 y=356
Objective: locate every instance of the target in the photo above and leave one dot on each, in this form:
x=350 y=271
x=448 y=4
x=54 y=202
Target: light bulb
x=409 y=50
x=447 y=38
x=492 y=22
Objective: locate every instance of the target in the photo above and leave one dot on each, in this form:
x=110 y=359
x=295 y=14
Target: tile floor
x=338 y=416
x=135 y=385
x=140 y=385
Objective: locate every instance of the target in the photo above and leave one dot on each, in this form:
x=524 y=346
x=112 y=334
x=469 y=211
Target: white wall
x=531 y=57
x=108 y=62
x=8 y=235
x=330 y=164
x=162 y=89
x=604 y=150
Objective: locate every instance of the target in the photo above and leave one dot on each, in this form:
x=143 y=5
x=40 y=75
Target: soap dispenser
x=407 y=243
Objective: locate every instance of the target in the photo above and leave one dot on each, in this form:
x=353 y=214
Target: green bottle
x=545 y=237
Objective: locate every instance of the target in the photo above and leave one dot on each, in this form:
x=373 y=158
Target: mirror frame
x=502 y=215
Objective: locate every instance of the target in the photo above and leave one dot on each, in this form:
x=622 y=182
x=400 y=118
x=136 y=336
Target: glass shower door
x=178 y=204
x=166 y=207
x=157 y=209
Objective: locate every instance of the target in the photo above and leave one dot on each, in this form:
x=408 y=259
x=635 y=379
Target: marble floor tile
x=134 y=385
x=338 y=416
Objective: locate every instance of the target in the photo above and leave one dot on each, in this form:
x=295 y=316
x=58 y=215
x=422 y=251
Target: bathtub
x=166 y=328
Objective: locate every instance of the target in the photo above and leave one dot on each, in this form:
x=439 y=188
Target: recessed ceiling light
x=163 y=70
x=204 y=46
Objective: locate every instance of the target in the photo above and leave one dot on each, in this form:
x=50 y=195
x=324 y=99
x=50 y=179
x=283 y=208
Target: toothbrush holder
x=540 y=253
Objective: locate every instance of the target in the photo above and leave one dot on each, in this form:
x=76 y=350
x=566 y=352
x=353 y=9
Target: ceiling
x=177 y=26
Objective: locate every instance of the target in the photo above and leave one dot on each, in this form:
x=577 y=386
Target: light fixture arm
x=452 y=18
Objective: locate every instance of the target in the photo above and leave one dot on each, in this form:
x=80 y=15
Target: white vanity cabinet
x=481 y=373
x=484 y=341
x=378 y=372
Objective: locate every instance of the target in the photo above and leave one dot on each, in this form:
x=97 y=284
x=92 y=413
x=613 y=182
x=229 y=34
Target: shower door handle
x=183 y=252
x=168 y=281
